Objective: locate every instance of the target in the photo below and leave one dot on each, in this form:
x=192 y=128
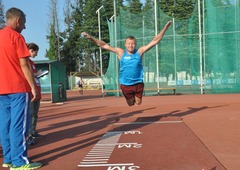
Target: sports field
x=170 y=132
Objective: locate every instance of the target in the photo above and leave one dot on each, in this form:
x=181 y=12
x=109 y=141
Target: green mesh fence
x=222 y=35
x=191 y=62
x=110 y=79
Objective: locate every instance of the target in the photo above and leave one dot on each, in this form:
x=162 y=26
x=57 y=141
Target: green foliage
x=52 y=52
x=181 y=9
x=72 y=50
x=135 y=7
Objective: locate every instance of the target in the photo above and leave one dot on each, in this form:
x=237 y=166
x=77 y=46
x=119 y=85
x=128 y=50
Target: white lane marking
x=96 y=157
x=123 y=164
x=115 y=144
x=100 y=154
x=90 y=163
x=100 y=151
x=87 y=160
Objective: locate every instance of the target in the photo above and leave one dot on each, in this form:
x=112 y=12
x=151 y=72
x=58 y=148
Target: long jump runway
x=150 y=143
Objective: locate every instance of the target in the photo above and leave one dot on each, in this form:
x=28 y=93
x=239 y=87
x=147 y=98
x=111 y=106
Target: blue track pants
x=14 y=122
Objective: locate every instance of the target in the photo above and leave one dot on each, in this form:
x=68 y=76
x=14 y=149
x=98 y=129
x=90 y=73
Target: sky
x=37 y=25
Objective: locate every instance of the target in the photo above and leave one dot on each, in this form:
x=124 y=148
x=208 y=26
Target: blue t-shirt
x=131 y=69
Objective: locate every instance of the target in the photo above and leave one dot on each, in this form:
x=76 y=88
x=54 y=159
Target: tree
x=2 y=21
x=135 y=6
x=148 y=15
x=71 y=52
x=54 y=38
x=106 y=13
x=182 y=9
x=52 y=52
x=91 y=25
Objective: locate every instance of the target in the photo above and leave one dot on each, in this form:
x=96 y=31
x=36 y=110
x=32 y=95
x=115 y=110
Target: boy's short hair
x=33 y=46
x=131 y=38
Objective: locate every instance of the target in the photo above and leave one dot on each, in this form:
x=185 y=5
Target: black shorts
x=131 y=91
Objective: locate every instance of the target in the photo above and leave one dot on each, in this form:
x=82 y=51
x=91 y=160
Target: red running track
x=73 y=128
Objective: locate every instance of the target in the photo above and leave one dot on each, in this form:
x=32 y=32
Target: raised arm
x=104 y=45
x=155 y=40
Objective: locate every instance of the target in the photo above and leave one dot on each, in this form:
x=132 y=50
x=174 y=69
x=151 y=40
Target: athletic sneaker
x=34 y=165
x=37 y=135
x=4 y=165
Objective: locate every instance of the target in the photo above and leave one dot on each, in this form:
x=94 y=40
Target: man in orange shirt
x=16 y=83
